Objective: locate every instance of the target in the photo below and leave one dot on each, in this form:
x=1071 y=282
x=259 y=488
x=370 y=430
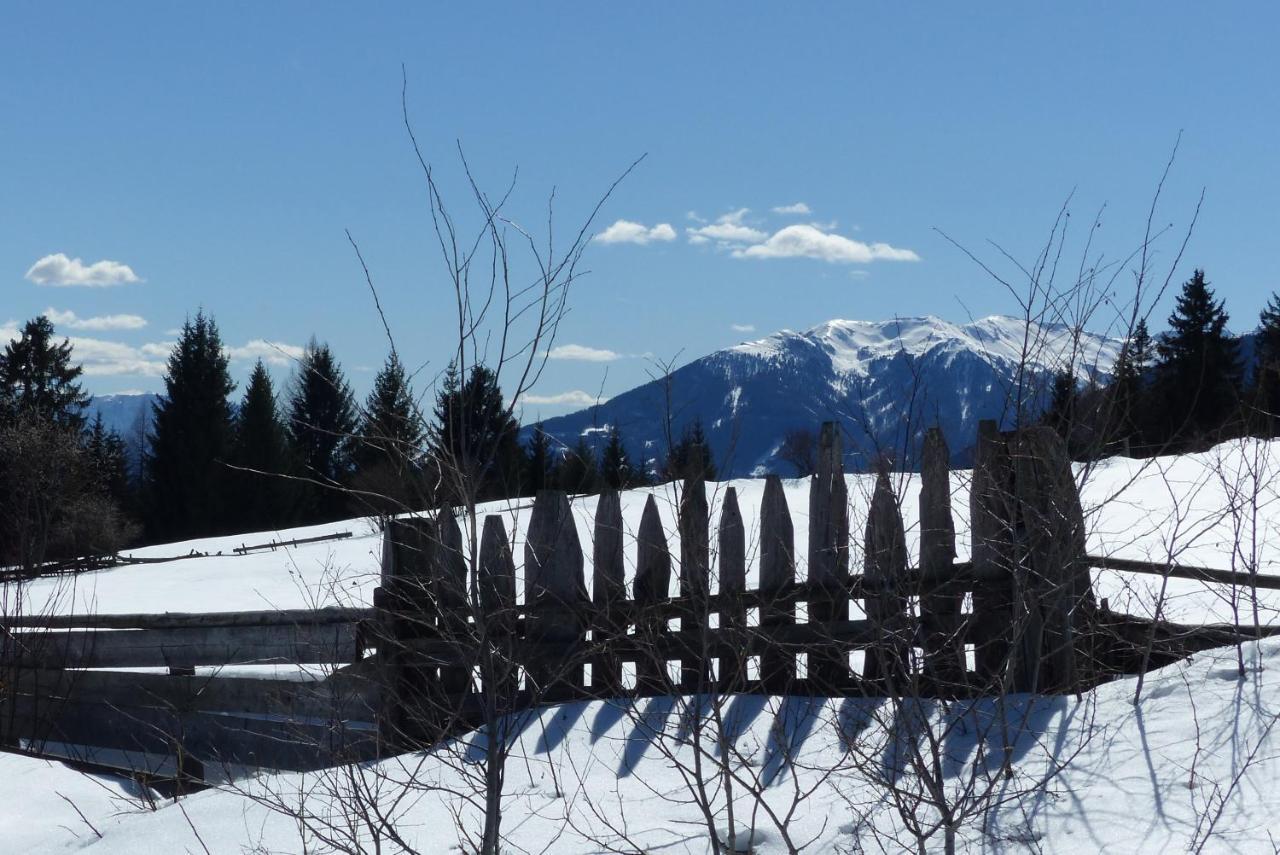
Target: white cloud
x=158 y=349
x=742 y=327
x=799 y=209
x=102 y=358
x=625 y=231
x=59 y=270
x=807 y=241
x=727 y=229
x=727 y=233
x=101 y=322
x=576 y=398
x=270 y=352
x=582 y=353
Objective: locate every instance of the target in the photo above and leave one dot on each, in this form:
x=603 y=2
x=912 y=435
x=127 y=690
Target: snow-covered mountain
x=122 y=412
x=885 y=382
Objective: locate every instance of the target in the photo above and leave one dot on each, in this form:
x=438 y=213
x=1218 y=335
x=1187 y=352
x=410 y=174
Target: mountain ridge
x=883 y=381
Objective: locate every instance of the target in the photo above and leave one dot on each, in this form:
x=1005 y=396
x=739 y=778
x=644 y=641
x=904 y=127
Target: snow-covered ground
x=1197 y=755
x=1201 y=748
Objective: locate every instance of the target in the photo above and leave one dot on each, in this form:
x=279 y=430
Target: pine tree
x=1198 y=375
x=391 y=428
x=389 y=443
x=262 y=498
x=615 y=464
x=109 y=462
x=37 y=377
x=579 y=470
x=690 y=457
x=475 y=439
x=1061 y=412
x=538 y=462
x=322 y=424
x=1126 y=397
x=1266 y=376
x=191 y=431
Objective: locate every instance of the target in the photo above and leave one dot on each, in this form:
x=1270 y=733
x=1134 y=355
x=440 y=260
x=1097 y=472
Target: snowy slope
x=1147 y=778
x=856 y=372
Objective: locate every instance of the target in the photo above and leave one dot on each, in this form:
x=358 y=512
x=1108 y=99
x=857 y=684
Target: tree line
x=1182 y=390
x=212 y=463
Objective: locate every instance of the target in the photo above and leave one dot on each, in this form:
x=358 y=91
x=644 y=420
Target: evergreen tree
x=615 y=464
x=1198 y=375
x=37 y=377
x=1266 y=376
x=475 y=440
x=261 y=498
x=389 y=443
x=579 y=470
x=1061 y=412
x=391 y=428
x=322 y=424
x=691 y=456
x=191 y=432
x=538 y=462
x=1126 y=400
x=109 y=462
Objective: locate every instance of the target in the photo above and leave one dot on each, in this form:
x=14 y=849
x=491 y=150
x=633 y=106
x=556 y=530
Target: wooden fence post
x=991 y=519
x=777 y=577
x=496 y=580
x=449 y=586
x=887 y=662
x=944 y=664
x=732 y=558
x=405 y=612
x=652 y=584
x=829 y=558
x=608 y=594
x=556 y=589
x=694 y=585
x=1052 y=583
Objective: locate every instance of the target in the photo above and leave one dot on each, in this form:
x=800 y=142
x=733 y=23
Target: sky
x=802 y=162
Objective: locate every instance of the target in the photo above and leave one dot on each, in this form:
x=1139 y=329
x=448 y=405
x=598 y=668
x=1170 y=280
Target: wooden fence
x=454 y=645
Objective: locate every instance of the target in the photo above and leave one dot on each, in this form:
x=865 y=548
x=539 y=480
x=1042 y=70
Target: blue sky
x=219 y=152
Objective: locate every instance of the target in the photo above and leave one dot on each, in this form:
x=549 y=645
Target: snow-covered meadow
x=1194 y=761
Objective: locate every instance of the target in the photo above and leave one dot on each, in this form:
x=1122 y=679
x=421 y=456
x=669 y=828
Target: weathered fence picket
x=553 y=566
x=608 y=593
x=940 y=607
x=777 y=573
x=652 y=582
x=732 y=558
x=829 y=555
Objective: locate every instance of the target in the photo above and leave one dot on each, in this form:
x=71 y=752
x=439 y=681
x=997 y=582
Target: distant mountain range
x=121 y=413
x=884 y=382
